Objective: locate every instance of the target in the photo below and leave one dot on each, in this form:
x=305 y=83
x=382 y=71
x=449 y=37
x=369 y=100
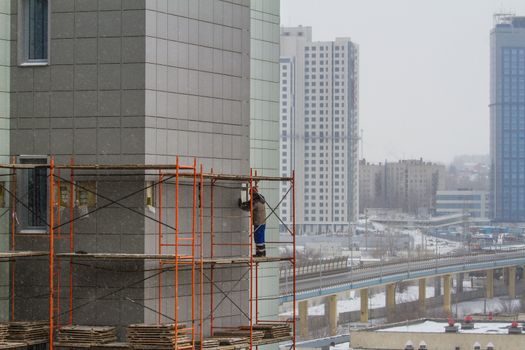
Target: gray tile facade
x=264 y=133
x=137 y=81
x=5 y=10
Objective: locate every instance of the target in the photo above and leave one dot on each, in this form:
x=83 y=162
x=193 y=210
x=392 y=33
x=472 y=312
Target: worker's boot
x=260 y=250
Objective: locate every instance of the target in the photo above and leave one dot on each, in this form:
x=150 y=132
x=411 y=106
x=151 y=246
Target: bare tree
x=508 y=306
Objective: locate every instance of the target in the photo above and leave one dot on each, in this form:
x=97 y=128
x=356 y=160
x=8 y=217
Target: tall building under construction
x=153 y=114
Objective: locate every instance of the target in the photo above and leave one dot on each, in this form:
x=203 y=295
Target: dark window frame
x=34 y=32
x=34 y=192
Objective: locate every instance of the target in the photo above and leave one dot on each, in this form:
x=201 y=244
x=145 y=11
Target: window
x=34 y=31
x=2 y=195
x=33 y=187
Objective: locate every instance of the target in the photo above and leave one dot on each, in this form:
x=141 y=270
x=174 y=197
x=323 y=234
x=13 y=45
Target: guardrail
x=314 y=267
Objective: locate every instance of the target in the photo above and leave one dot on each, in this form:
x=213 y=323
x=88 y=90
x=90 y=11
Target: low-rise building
x=463 y=201
x=432 y=334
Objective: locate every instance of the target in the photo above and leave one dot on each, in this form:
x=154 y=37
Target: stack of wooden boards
x=30 y=332
x=4 y=327
x=260 y=331
x=86 y=335
x=244 y=333
x=232 y=342
x=271 y=330
x=157 y=337
x=207 y=343
x=111 y=346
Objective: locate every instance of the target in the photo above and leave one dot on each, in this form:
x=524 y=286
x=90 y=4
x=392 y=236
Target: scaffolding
x=193 y=251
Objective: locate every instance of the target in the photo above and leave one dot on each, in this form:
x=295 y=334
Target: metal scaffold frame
x=169 y=256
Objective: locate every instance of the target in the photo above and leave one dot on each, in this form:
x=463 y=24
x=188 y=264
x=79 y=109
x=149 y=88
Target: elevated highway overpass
x=388 y=274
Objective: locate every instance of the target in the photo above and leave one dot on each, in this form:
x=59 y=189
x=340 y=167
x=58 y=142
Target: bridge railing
x=315 y=267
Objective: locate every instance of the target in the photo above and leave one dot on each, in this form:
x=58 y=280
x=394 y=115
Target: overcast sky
x=424 y=70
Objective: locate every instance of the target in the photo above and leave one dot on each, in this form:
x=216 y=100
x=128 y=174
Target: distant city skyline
x=424 y=68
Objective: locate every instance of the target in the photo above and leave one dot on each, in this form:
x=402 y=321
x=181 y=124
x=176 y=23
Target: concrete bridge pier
x=390 y=300
x=489 y=284
x=303 y=319
x=437 y=286
x=422 y=296
x=459 y=282
x=447 y=293
x=364 y=305
x=330 y=311
x=511 y=283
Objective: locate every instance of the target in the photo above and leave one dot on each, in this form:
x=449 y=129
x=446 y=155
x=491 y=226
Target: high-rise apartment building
x=408 y=185
x=319 y=129
x=507 y=119
x=140 y=82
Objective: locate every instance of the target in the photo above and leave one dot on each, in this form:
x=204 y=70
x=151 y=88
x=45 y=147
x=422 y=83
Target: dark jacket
x=258 y=211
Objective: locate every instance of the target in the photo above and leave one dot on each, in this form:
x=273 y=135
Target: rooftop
x=430 y=326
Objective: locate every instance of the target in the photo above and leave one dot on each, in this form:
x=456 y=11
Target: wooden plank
x=272 y=341
x=21 y=254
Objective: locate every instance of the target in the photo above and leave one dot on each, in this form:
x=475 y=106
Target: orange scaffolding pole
x=13 y=232
x=201 y=256
x=251 y=259
x=193 y=232
x=71 y=235
x=160 y=245
x=256 y=280
x=212 y=249
x=176 y=309
x=294 y=316
x=58 y=203
x=51 y=250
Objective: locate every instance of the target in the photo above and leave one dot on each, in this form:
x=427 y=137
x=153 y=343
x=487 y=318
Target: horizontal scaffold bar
x=168 y=257
x=224 y=177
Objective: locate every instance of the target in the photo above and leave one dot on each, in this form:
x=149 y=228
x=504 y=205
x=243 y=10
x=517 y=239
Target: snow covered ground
x=438 y=245
x=489 y=305
x=377 y=300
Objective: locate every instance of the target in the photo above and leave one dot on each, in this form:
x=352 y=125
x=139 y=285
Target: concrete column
x=364 y=305
x=512 y=282
x=303 y=318
x=422 y=295
x=447 y=296
x=332 y=314
x=437 y=286
x=390 y=300
x=490 y=284
x=459 y=281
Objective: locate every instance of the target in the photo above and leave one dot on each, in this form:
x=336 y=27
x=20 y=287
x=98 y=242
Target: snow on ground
x=439 y=245
x=492 y=305
x=438 y=327
x=378 y=300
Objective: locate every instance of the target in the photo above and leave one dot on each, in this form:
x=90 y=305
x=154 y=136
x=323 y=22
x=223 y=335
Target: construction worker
x=258 y=219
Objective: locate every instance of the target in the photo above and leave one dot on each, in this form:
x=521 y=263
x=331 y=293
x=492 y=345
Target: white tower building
x=319 y=129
